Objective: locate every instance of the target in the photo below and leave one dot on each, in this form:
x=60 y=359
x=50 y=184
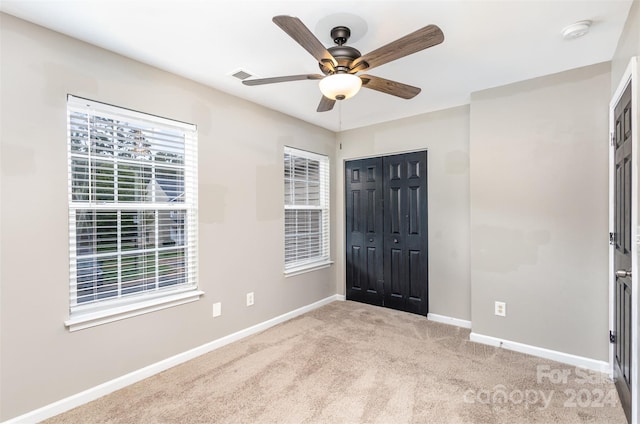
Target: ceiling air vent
x=241 y=74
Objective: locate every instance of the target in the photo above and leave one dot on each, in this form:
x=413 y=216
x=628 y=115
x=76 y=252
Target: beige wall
x=628 y=45
x=241 y=219
x=539 y=211
x=445 y=135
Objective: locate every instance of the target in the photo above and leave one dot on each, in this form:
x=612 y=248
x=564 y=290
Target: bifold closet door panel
x=405 y=232
x=364 y=223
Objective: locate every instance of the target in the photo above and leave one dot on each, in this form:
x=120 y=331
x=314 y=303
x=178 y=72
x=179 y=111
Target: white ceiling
x=487 y=44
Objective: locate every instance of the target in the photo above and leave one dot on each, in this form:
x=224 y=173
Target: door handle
x=395 y=240
x=621 y=273
x=370 y=240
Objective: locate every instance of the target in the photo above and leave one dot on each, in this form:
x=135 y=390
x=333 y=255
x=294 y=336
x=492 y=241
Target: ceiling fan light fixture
x=340 y=86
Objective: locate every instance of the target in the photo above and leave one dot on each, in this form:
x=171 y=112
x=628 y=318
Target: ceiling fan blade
x=389 y=87
x=303 y=36
x=418 y=40
x=326 y=104
x=262 y=81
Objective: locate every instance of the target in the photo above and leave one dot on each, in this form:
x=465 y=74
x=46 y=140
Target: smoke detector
x=576 y=30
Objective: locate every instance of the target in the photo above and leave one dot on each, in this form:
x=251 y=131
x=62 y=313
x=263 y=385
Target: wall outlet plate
x=249 y=299
x=217 y=309
x=501 y=309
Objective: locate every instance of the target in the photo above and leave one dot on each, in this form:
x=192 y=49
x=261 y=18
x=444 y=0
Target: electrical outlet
x=501 y=309
x=217 y=309
x=249 y=299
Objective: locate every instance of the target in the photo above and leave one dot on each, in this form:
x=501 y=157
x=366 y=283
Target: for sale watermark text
x=594 y=390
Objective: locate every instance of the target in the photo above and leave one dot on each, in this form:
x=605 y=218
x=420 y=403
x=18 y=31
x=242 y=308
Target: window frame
x=123 y=305
x=323 y=259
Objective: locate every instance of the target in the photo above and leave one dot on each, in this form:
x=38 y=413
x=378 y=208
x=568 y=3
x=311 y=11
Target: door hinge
x=612 y=337
x=612 y=239
x=612 y=139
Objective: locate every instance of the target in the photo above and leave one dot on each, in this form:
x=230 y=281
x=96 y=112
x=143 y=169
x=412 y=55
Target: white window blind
x=132 y=206
x=306 y=193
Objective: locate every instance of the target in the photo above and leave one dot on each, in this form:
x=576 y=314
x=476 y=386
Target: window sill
x=92 y=319
x=307 y=268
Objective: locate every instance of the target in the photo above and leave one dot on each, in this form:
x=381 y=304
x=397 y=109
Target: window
x=132 y=212
x=306 y=210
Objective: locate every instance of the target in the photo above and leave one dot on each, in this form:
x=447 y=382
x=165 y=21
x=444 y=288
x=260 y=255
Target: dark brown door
x=622 y=256
x=386 y=231
x=364 y=213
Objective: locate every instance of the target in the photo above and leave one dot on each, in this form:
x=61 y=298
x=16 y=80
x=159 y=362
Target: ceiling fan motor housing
x=344 y=55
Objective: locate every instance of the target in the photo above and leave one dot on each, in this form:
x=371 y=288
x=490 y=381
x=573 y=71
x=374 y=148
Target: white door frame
x=630 y=76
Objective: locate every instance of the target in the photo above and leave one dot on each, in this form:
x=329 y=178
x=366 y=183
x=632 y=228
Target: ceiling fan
x=340 y=63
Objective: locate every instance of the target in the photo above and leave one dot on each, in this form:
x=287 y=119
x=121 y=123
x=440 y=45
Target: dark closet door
x=405 y=232
x=386 y=231
x=622 y=253
x=364 y=213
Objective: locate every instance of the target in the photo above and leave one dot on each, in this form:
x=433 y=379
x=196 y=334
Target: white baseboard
x=554 y=355
x=341 y=297
x=449 y=320
x=103 y=389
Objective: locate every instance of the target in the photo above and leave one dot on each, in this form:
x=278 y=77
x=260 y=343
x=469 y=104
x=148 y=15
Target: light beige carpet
x=353 y=363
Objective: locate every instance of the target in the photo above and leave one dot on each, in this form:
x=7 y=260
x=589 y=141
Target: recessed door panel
x=372 y=172
x=415 y=274
x=356 y=267
x=619 y=208
x=396 y=274
x=414 y=211
x=372 y=264
x=355 y=175
x=394 y=213
x=413 y=169
x=356 y=211
x=626 y=361
x=371 y=211
x=394 y=170
x=627 y=209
